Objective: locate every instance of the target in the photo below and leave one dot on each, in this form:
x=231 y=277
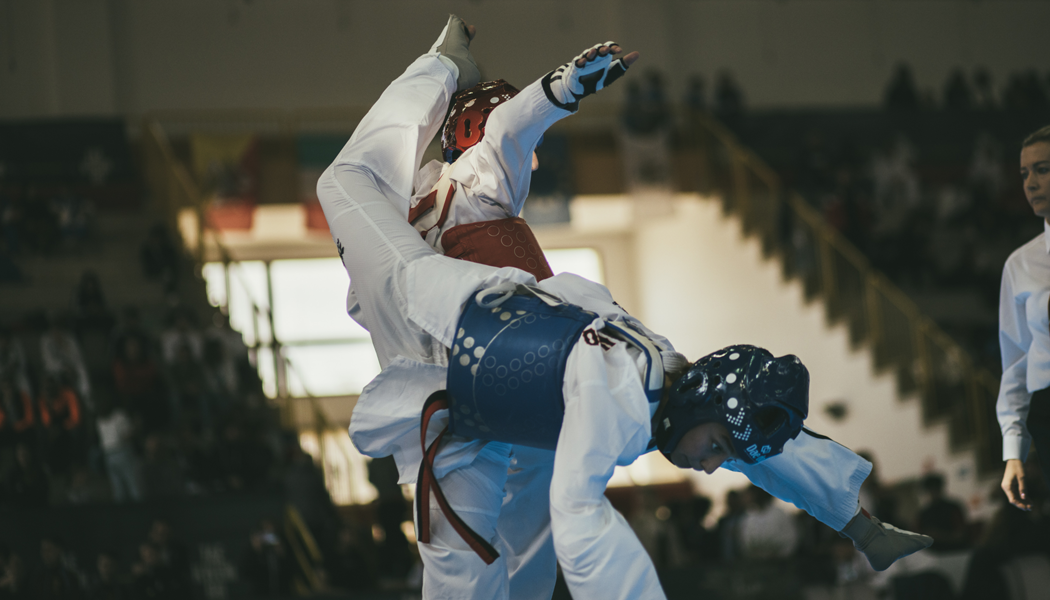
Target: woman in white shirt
x=1023 y=406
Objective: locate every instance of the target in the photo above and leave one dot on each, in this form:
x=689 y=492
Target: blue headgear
x=761 y=401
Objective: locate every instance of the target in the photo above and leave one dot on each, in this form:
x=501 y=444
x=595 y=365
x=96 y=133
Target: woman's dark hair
x=1039 y=135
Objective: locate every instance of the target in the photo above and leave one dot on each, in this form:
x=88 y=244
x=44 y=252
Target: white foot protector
x=453 y=49
x=568 y=84
x=882 y=543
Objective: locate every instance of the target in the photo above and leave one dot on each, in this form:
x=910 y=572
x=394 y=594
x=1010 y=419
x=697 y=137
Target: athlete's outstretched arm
x=498 y=169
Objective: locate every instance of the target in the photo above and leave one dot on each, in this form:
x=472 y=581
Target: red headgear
x=465 y=125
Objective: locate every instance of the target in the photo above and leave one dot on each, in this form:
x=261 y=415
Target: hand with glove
x=596 y=68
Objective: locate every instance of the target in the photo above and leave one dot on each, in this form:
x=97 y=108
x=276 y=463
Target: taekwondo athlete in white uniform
x=488 y=342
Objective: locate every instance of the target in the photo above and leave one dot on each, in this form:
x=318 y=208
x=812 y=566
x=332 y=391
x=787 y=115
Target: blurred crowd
x=760 y=547
x=159 y=569
x=35 y=222
x=95 y=406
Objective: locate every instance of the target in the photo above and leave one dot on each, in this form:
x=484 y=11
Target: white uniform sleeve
x=815 y=474
x=494 y=175
x=1014 y=341
x=606 y=424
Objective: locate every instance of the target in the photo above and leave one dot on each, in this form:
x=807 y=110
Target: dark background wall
x=125 y=57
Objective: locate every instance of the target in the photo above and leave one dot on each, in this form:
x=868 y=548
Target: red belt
x=426 y=481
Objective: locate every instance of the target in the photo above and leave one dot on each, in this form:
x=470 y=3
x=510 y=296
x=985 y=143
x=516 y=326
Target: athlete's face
x=535 y=161
x=703 y=448
x=1035 y=175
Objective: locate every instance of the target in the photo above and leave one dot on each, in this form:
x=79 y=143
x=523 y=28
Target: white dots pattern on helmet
x=494 y=99
x=731 y=378
x=743 y=435
x=734 y=356
x=732 y=403
x=737 y=419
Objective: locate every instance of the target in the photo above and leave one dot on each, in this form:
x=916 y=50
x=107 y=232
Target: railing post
x=827 y=273
x=874 y=314
x=741 y=191
x=922 y=365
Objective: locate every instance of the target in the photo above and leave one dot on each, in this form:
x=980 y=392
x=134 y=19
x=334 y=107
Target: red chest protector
x=499 y=243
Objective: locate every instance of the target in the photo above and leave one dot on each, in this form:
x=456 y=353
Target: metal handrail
x=926 y=360
x=304 y=548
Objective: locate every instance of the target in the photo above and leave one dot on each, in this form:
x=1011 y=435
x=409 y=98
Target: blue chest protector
x=507 y=368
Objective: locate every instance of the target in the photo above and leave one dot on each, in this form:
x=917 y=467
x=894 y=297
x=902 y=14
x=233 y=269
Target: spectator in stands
x=220 y=377
x=10 y=272
x=163 y=475
x=874 y=495
x=74 y=215
x=86 y=486
x=94 y=322
x=984 y=96
x=39 y=227
x=766 y=531
x=172 y=552
x=61 y=416
x=243 y=462
x=266 y=564
x=13 y=359
x=160 y=257
x=348 y=565
x=130 y=326
x=1024 y=92
x=815 y=168
x=235 y=360
x=391 y=511
x=137 y=382
x=729 y=99
x=115 y=438
x=13 y=580
x=89 y=303
x=657 y=534
x=957 y=93
x=901 y=92
x=10 y=220
x=17 y=416
x=688 y=517
x=28 y=484
x=151 y=579
x=190 y=396
x=895 y=199
x=108 y=583
x=729 y=527
x=62 y=359
x=695 y=100
x=941 y=518
x=54 y=578
x=181 y=333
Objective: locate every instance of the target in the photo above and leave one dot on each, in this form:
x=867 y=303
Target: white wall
x=704 y=285
x=74 y=57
